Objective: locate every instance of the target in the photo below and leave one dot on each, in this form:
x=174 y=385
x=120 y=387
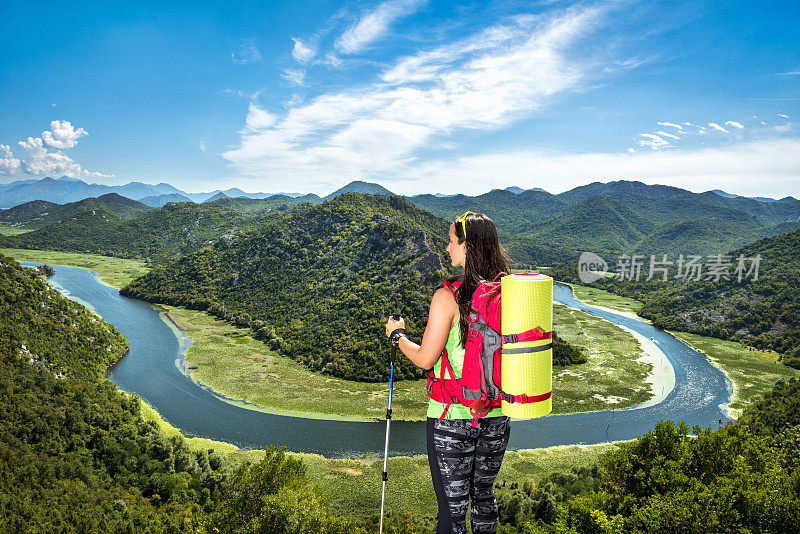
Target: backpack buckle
x=511 y=338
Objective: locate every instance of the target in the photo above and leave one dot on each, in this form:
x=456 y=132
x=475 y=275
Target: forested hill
x=52 y=332
x=319 y=281
x=157 y=236
x=40 y=213
x=764 y=313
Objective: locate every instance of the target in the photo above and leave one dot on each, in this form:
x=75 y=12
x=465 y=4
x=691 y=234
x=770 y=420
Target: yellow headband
x=463 y=220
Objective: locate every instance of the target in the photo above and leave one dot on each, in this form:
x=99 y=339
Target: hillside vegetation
x=743 y=477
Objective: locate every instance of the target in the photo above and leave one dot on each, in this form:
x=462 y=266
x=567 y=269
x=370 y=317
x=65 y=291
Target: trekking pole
x=392 y=354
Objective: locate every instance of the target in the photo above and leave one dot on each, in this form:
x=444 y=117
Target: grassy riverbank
x=353 y=487
x=115 y=272
x=599 y=297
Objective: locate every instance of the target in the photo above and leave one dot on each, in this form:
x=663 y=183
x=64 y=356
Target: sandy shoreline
x=662 y=376
x=619 y=312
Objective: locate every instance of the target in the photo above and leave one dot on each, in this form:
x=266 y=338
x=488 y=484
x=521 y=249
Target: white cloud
x=62 y=135
x=373 y=25
x=333 y=61
x=202 y=145
x=258 y=119
x=247 y=52
x=294 y=76
x=303 y=52
x=486 y=81
x=8 y=163
x=662 y=133
x=39 y=160
x=782 y=115
x=653 y=141
x=753 y=168
x=717 y=127
x=734 y=124
x=678 y=126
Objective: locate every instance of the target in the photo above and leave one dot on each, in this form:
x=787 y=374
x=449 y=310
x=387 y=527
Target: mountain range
x=538 y=228
x=67 y=189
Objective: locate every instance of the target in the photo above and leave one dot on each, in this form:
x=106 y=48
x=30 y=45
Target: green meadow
x=5 y=229
x=115 y=272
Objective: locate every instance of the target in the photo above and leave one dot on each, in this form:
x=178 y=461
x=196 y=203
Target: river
x=152 y=370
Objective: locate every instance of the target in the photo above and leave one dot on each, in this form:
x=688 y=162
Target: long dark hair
x=485 y=259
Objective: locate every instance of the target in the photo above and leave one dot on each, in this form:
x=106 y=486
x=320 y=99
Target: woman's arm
x=440 y=320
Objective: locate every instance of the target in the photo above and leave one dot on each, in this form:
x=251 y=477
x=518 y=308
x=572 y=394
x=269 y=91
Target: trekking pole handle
x=393 y=352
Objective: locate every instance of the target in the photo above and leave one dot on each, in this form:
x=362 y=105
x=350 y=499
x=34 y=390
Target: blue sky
x=420 y=96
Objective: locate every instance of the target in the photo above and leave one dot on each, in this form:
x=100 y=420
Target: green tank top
x=455 y=352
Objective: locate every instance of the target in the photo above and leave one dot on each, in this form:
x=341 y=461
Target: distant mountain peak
x=360 y=186
x=216 y=197
x=722 y=193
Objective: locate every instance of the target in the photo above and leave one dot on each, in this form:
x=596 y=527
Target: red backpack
x=479 y=387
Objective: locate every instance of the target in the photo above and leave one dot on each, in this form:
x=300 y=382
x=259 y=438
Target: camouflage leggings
x=464 y=462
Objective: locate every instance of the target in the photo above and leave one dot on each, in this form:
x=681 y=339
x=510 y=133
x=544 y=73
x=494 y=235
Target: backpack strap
x=446 y=365
x=501 y=273
x=452 y=286
x=526 y=398
x=534 y=334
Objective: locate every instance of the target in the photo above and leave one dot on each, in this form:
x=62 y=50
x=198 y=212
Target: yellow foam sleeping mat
x=527 y=302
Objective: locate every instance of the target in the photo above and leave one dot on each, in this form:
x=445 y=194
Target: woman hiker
x=464 y=459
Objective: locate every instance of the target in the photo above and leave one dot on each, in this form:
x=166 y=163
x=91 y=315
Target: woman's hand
x=392 y=325
x=443 y=313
